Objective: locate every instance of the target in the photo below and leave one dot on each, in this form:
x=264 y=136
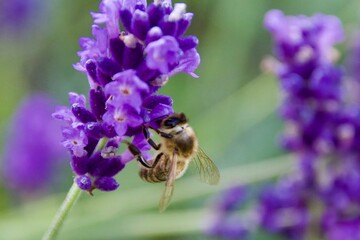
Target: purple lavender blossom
x=322 y=130
x=354 y=57
x=18 y=13
x=320 y=198
x=352 y=87
x=229 y=228
x=346 y=228
x=283 y=209
x=125 y=69
x=226 y=223
x=32 y=150
x=310 y=81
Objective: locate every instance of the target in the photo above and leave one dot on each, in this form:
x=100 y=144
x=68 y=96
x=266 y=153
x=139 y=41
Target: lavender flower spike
x=320 y=197
x=125 y=68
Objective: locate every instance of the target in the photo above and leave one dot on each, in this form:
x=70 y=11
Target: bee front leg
x=165 y=135
x=137 y=153
x=149 y=139
x=162 y=134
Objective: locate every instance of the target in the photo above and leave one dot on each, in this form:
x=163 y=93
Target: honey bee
x=178 y=147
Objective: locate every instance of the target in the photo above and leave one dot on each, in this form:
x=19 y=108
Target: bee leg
x=149 y=140
x=165 y=135
x=156 y=161
x=137 y=153
x=162 y=134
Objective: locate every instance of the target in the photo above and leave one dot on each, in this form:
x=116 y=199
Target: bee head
x=174 y=120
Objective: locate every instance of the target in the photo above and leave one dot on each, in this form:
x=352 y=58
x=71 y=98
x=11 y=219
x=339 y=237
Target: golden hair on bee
x=177 y=148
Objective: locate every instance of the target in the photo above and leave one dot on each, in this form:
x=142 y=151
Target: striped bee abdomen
x=156 y=174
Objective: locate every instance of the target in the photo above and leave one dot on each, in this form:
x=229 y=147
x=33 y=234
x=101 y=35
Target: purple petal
x=131 y=5
x=106 y=184
x=140 y=24
x=79 y=164
x=156 y=13
x=153 y=34
x=184 y=23
x=152 y=101
x=121 y=128
x=189 y=62
x=95 y=130
x=91 y=69
x=117 y=47
x=78 y=99
x=82 y=114
x=126 y=88
x=65 y=114
x=97 y=102
x=133 y=56
x=160 y=111
x=108 y=66
x=126 y=17
x=188 y=42
x=162 y=53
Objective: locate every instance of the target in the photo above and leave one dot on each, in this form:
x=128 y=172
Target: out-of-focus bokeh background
x=232 y=107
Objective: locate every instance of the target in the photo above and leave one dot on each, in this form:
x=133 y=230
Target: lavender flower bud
x=97 y=102
x=84 y=182
x=106 y=184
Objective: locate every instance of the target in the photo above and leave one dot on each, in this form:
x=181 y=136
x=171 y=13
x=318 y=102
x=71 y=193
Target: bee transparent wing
x=206 y=168
x=169 y=184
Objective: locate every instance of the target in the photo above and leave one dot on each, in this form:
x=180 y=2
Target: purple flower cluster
x=125 y=68
x=284 y=209
x=311 y=83
x=226 y=222
x=321 y=197
x=32 y=149
x=322 y=129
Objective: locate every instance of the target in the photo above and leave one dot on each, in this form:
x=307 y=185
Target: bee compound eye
x=171 y=122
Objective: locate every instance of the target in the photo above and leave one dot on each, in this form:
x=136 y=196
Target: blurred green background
x=232 y=107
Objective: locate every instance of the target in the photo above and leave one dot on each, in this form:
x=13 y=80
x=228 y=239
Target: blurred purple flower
x=353 y=59
x=322 y=129
x=229 y=228
x=225 y=224
x=311 y=83
x=232 y=199
x=283 y=209
x=32 y=149
x=21 y=17
x=303 y=43
x=344 y=228
x=125 y=69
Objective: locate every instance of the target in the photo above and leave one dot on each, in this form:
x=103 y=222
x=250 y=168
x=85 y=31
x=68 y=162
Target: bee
x=178 y=147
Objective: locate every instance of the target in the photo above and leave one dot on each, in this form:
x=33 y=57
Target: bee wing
x=206 y=168
x=169 y=184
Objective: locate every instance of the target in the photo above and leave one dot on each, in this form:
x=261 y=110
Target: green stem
x=63 y=212
x=69 y=202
